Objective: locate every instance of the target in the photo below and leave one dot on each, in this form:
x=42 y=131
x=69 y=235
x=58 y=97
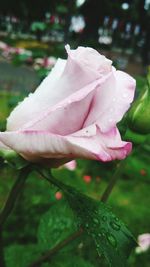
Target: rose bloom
x=73 y=113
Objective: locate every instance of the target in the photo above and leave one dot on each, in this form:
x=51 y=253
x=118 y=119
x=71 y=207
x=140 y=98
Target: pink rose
x=73 y=113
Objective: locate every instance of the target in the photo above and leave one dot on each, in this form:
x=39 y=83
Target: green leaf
x=111 y=237
x=56 y=225
x=65 y=260
x=21 y=256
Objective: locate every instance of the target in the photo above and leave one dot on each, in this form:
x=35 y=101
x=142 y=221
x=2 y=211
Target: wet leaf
x=111 y=237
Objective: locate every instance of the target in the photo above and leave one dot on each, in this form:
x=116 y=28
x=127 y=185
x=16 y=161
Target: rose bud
x=73 y=113
x=139 y=114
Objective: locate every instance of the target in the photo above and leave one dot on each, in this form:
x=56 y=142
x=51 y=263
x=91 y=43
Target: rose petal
x=89 y=57
x=69 y=115
x=111 y=101
x=104 y=146
x=3 y=146
x=40 y=144
x=43 y=97
x=66 y=78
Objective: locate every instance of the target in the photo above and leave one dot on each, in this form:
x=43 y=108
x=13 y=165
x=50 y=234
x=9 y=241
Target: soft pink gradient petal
x=90 y=58
x=69 y=115
x=3 y=146
x=111 y=101
x=35 y=103
x=40 y=144
x=104 y=146
x=66 y=78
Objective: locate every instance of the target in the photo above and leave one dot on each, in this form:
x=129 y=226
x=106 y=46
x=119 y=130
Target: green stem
x=54 y=250
x=49 y=177
x=113 y=181
x=13 y=195
x=9 y=205
x=2 y=257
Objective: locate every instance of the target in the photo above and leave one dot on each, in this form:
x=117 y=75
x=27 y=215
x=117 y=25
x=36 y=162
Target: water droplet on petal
x=125 y=95
x=112 y=240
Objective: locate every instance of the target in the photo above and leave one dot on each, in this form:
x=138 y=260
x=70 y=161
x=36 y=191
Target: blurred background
x=32 y=37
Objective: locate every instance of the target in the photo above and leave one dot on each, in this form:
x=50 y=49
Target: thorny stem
x=77 y=234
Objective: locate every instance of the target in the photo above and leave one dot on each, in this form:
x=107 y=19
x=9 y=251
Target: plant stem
x=49 y=177
x=13 y=195
x=9 y=205
x=2 y=258
x=112 y=182
x=54 y=250
x=77 y=234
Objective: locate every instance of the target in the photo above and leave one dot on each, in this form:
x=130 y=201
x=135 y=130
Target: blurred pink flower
x=143 y=172
x=73 y=113
x=58 y=195
x=71 y=165
x=144 y=243
x=87 y=178
x=3 y=45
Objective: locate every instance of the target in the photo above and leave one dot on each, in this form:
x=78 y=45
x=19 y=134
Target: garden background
x=32 y=37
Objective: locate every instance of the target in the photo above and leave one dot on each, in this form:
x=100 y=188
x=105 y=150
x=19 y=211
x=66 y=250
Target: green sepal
x=13 y=159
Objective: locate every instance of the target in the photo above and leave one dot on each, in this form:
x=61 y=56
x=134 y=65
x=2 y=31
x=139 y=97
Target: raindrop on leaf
x=112 y=240
x=115 y=226
x=95 y=221
x=104 y=218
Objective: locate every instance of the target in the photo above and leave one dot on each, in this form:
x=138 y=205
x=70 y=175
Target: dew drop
x=114 y=99
x=111 y=239
x=97 y=246
x=125 y=95
x=99 y=235
x=103 y=230
x=95 y=221
x=86 y=225
x=115 y=226
x=93 y=235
